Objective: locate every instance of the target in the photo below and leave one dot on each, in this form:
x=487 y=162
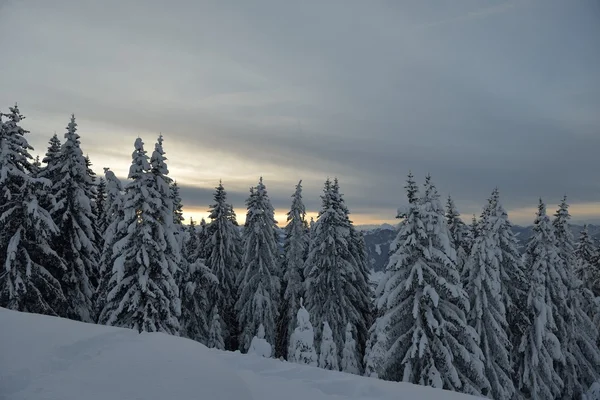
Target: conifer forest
x=459 y=307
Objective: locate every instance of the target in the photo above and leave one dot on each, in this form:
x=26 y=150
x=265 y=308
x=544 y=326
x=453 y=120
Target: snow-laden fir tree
x=191 y=242
x=376 y=349
x=295 y=246
x=223 y=257
x=52 y=165
x=487 y=314
x=177 y=206
x=362 y=296
x=302 y=348
x=215 y=334
x=101 y=209
x=259 y=345
x=587 y=267
x=459 y=235
x=144 y=295
x=423 y=307
x=350 y=358
x=72 y=213
x=540 y=349
x=579 y=335
x=197 y=281
x=115 y=231
x=29 y=280
x=258 y=280
x=36 y=167
x=513 y=280
x=335 y=288
x=328 y=354
x=202 y=239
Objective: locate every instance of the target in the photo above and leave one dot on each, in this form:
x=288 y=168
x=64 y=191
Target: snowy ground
x=56 y=359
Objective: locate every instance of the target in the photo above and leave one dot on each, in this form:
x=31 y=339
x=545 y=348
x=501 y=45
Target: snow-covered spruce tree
x=259 y=345
x=223 y=255
x=52 y=163
x=459 y=235
x=72 y=213
x=513 y=280
x=114 y=232
x=191 y=242
x=350 y=358
x=29 y=280
x=487 y=314
x=101 y=209
x=335 y=288
x=363 y=294
x=177 y=206
x=582 y=356
x=202 y=239
x=36 y=167
x=197 y=280
x=540 y=349
x=375 y=353
x=328 y=354
x=423 y=307
x=258 y=281
x=295 y=246
x=215 y=334
x=302 y=349
x=587 y=266
x=144 y=295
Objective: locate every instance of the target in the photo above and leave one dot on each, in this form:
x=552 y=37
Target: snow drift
x=45 y=358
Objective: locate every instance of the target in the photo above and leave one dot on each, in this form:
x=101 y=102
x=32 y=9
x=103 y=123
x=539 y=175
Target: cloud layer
x=503 y=94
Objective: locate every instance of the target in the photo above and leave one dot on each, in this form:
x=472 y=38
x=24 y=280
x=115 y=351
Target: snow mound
x=47 y=358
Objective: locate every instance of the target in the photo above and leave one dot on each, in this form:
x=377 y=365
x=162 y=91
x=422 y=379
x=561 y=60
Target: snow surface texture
x=46 y=358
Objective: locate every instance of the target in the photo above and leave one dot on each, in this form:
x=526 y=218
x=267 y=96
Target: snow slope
x=47 y=358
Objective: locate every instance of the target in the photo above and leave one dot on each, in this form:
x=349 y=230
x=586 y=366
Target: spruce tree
x=363 y=295
x=72 y=213
x=302 y=349
x=513 y=280
x=203 y=244
x=215 y=334
x=328 y=354
x=540 y=349
x=101 y=209
x=223 y=255
x=579 y=335
x=350 y=363
x=258 y=280
x=31 y=268
x=177 y=206
x=487 y=314
x=191 y=243
x=587 y=267
x=196 y=283
x=336 y=288
x=115 y=231
x=295 y=246
x=259 y=345
x=459 y=235
x=144 y=295
x=423 y=307
x=52 y=160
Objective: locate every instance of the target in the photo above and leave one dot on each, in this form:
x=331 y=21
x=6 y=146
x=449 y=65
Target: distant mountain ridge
x=379 y=238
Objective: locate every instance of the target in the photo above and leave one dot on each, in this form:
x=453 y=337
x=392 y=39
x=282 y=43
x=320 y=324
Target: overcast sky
x=476 y=93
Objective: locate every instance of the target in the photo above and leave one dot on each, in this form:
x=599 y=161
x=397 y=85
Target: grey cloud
x=479 y=96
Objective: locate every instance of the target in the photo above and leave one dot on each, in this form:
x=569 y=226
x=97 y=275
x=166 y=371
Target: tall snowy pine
x=335 y=288
x=587 y=266
x=423 y=307
x=540 y=349
x=31 y=269
x=459 y=235
x=223 y=257
x=295 y=247
x=582 y=356
x=258 y=280
x=72 y=213
x=144 y=295
x=302 y=349
x=488 y=315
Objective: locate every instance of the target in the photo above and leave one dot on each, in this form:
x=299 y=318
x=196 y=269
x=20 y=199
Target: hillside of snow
x=47 y=358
